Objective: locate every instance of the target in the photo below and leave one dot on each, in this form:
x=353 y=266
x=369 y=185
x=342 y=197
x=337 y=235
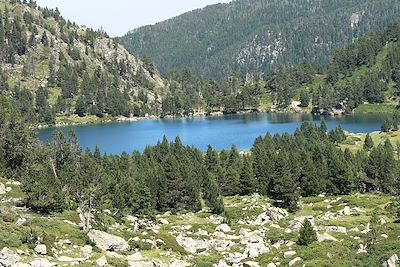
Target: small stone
x=289 y=254
x=294 y=261
x=102 y=261
x=223 y=228
x=41 y=249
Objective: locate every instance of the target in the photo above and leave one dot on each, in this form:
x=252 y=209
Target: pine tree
x=307 y=234
x=247 y=182
x=368 y=143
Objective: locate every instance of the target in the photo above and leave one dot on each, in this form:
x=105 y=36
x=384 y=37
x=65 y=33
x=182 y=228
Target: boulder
x=135 y=257
x=8 y=257
x=223 y=228
x=102 y=261
x=346 y=211
x=41 y=249
x=108 y=242
x=336 y=229
x=271 y=264
x=163 y=221
x=297 y=222
x=294 y=261
x=2 y=189
x=87 y=249
x=191 y=245
x=391 y=262
x=325 y=237
x=289 y=254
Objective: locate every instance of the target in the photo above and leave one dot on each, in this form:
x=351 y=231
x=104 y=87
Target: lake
x=220 y=132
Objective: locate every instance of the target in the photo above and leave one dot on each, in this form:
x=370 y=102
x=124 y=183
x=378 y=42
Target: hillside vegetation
x=53 y=68
x=251 y=37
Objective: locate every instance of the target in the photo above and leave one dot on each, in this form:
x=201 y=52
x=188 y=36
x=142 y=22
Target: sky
x=118 y=17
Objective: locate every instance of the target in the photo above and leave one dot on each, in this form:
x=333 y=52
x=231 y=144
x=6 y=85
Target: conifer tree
x=247 y=182
x=307 y=234
x=368 y=143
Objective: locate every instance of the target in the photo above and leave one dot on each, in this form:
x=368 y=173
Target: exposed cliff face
x=252 y=37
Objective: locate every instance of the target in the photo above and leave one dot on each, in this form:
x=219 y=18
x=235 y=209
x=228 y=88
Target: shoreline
x=94 y=120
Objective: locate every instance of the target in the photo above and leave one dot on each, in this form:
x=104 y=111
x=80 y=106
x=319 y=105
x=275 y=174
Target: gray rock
x=108 y=242
x=325 y=237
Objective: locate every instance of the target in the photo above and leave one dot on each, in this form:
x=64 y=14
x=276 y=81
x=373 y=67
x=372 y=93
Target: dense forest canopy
x=251 y=37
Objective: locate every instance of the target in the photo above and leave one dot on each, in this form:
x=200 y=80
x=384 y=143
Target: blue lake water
x=220 y=132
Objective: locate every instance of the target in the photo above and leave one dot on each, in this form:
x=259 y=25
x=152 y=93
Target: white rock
x=294 y=261
x=346 y=211
x=391 y=262
x=41 y=263
x=41 y=249
x=2 y=189
x=135 y=257
x=382 y=221
x=102 y=261
x=223 y=228
x=87 y=249
x=105 y=241
x=163 y=221
x=289 y=254
x=20 y=264
x=20 y=221
x=271 y=264
x=384 y=236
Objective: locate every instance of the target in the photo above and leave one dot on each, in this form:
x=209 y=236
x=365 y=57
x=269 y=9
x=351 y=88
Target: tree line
x=172 y=176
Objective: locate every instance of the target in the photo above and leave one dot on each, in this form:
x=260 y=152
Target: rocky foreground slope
x=258 y=234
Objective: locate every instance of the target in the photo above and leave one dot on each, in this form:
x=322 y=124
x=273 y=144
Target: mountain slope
x=252 y=36
x=55 y=68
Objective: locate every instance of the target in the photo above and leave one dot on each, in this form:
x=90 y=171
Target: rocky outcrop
x=108 y=242
x=8 y=257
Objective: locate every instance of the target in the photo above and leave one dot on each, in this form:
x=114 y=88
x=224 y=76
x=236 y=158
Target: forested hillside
x=251 y=37
x=362 y=77
x=53 y=68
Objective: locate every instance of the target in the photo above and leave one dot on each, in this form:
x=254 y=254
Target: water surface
x=220 y=132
